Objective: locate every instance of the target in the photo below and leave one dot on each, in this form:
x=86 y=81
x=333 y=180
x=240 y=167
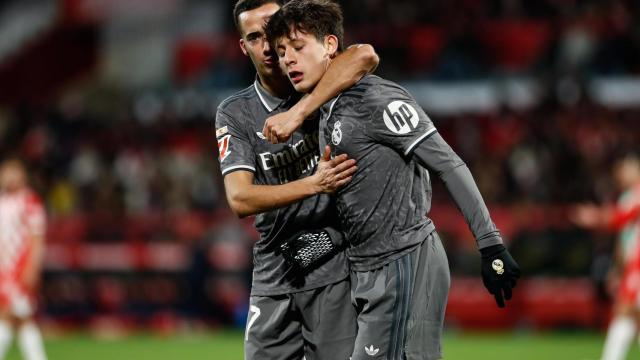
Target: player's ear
x=331 y=45
x=242 y=47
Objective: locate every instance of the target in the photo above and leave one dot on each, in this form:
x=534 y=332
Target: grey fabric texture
x=319 y=324
x=429 y=301
x=401 y=305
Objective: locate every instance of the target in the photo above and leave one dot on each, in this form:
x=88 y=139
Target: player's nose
x=288 y=58
x=266 y=48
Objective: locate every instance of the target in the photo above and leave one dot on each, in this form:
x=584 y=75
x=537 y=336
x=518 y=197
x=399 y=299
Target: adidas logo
x=370 y=350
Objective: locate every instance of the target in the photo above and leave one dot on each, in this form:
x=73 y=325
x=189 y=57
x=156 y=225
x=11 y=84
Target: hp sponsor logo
x=400 y=117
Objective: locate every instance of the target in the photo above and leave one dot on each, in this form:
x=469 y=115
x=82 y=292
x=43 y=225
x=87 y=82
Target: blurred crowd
x=552 y=154
x=124 y=166
x=119 y=166
x=470 y=39
x=466 y=39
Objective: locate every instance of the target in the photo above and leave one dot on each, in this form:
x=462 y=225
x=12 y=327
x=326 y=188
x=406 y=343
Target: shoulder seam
x=241 y=94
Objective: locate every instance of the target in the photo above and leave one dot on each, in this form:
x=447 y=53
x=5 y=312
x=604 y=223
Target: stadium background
x=111 y=103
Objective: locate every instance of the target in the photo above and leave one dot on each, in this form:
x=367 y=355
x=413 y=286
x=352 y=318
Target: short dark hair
x=315 y=17
x=248 y=5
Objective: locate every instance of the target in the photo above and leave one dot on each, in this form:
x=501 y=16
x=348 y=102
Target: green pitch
x=228 y=346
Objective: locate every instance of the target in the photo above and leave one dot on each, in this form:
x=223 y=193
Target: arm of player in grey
x=343 y=72
x=435 y=154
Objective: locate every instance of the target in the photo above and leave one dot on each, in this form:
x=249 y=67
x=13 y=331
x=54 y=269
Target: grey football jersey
x=383 y=209
x=241 y=146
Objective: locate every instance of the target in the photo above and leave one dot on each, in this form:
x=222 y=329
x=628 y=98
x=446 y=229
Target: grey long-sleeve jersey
x=383 y=210
x=241 y=147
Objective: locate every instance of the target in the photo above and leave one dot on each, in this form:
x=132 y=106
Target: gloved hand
x=499 y=272
x=307 y=250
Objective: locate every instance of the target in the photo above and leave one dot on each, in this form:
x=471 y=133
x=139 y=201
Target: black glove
x=499 y=272
x=307 y=250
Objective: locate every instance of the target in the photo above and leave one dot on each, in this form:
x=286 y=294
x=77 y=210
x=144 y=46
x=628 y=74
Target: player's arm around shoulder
x=345 y=71
x=237 y=158
x=246 y=198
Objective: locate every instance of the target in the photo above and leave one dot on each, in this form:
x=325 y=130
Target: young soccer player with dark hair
x=399 y=270
x=298 y=307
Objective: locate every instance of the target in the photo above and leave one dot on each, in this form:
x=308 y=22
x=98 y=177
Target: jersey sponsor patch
x=400 y=117
x=222 y=131
x=223 y=147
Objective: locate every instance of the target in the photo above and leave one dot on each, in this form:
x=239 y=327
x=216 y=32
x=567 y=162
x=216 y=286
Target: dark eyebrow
x=253 y=35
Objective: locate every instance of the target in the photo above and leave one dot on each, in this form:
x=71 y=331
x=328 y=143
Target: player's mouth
x=296 y=76
x=270 y=62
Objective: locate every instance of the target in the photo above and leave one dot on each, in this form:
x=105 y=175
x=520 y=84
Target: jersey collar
x=270 y=102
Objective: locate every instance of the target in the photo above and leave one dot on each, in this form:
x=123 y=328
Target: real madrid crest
x=336 y=135
x=498 y=266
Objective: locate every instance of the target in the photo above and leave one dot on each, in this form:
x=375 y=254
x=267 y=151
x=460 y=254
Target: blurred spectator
x=22 y=231
x=625 y=274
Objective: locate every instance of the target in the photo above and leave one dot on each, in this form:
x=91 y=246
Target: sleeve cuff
x=420 y=139
x=231 y=169
x=489 y=241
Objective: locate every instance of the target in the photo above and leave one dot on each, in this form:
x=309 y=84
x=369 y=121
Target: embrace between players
x=335 y=163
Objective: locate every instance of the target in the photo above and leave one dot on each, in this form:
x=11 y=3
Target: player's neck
x=276 y=85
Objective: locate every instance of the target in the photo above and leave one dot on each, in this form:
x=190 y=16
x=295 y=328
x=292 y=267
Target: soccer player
x=399 y=270
x=624 y=218
x=22 y=229
x=293 y=313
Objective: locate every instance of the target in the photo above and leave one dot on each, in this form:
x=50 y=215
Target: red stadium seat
x=553 y=302
x=471 y=306
x=540 y=303
x=193 y=57
x=513 y=44
x=424 y=46
x=66 y=229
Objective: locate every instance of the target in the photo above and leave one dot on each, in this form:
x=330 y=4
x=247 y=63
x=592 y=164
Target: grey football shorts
x=319 y=324
x=401 y=305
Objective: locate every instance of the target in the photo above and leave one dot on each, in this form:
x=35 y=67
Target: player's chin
x=302 y=87
x=270 y=70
